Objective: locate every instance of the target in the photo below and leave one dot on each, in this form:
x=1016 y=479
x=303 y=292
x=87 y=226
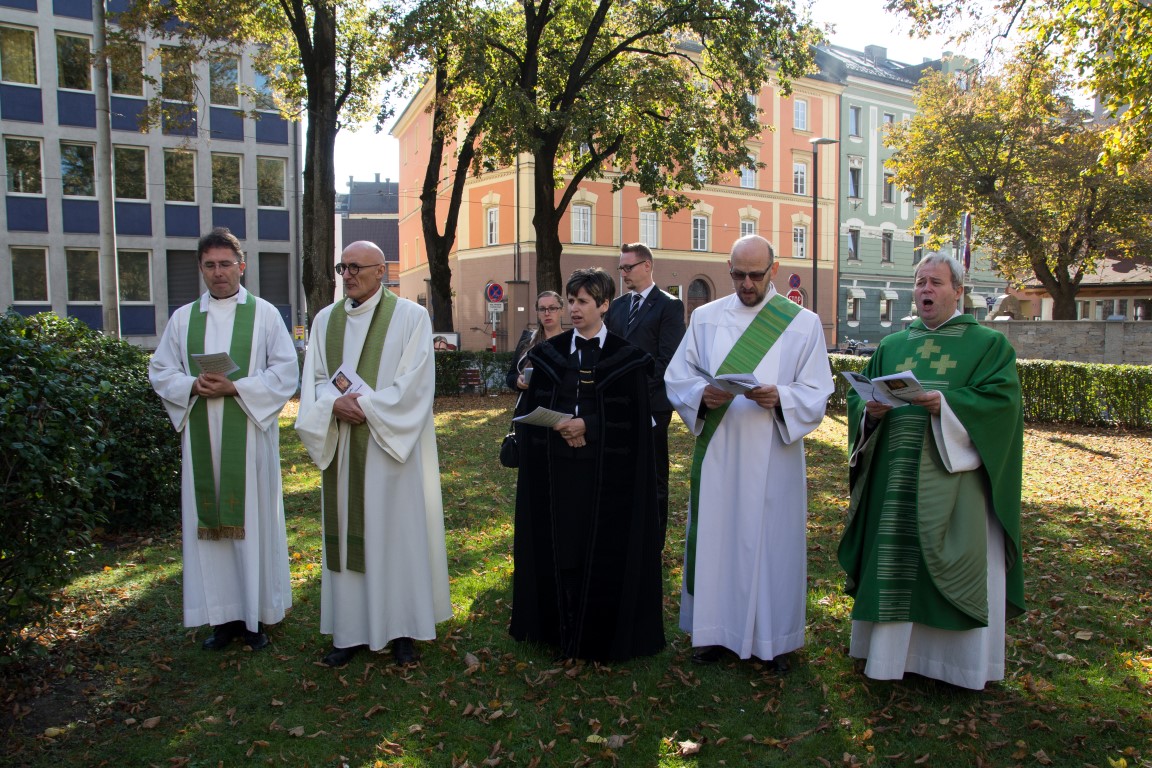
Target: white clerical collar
x=955 y=315
x=602 y=334
x=365 y=306
x=237 y=298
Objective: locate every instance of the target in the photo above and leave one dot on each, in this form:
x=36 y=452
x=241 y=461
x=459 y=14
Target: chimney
x=350 y=178
x=377 y=178
x=877 y=54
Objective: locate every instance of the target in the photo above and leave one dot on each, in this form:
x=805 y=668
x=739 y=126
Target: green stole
x=745 y=355
x=367 y=368
x=221 y=516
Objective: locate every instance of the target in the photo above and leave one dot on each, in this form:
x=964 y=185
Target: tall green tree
x=443 y=45
x=1106 y=43
x=325 y=59
x=1011 y=149
x=653 y=92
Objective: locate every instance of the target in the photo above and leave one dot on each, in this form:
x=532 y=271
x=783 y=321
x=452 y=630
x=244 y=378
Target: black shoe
x=339 y=657
x=708 y=654
x=222 y=636
x=404 y=651
x=779 y=665
x=256 y=640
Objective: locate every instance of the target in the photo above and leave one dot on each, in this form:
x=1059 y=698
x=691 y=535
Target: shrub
x=449 y=366
x=55 y=468
x=1054 y=391
x=143 y=448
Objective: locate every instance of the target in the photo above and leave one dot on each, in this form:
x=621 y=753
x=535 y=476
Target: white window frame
x=35 y=57
x=747 y=227
x=493 y=229
x=856 y=183
x=699 y=232
x=113 y=72
x=800 y=115
x=195 y=191
x=855 y=120
x=68 y=252
x=800 y=241
x=92 y=149
x=87 y=39
x=9 y=172
x=886 y=239
x=582 y=224
x=799 y=178
x=854 y=243
x=748 y=174
x=261 y=160
x=115 y=170
x=212 y=65
x=47 y=273
x=650 y=228
x=239 y=180
x=889 y=189
x=148 y=260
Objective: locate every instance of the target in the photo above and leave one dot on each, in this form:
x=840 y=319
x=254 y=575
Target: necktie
x=583 y=343
x=635 y=310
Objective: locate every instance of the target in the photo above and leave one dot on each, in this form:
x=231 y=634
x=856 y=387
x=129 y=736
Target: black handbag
x=509 y=452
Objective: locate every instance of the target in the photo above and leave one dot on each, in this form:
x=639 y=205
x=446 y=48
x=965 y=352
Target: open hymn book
x=895 y=389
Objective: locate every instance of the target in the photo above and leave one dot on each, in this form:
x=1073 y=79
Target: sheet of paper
x=732 y=383
x=345 y=381
x=216 y=362
x=543 y=417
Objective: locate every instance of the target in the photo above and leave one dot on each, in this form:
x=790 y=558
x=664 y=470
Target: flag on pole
x=967 y=241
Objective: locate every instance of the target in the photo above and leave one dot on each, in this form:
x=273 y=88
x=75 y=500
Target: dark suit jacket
x=657 y=330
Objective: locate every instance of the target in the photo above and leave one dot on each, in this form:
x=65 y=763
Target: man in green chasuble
x=931 y=547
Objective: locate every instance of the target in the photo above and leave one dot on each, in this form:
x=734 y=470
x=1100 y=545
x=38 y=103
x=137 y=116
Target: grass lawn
x=124 y=684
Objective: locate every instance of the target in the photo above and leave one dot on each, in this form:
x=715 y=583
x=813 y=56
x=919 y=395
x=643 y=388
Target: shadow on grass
x=1076 y=691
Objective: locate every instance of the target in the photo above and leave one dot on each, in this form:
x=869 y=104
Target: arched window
x=699 y=294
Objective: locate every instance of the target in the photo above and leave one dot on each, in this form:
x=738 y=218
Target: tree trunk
x=319 y=204
x=546 y=222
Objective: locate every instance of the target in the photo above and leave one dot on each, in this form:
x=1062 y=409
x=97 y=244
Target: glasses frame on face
x=212 y=266
x=756 y=277
x=548 y=310
x=353 y=269
x=627 y=268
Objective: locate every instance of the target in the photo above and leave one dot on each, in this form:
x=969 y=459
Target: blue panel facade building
x=216 y=166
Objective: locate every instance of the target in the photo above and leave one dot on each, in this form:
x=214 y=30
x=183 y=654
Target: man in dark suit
x=652 y=320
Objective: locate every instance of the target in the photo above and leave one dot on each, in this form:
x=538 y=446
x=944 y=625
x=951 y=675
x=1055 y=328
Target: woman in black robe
x=587 y=574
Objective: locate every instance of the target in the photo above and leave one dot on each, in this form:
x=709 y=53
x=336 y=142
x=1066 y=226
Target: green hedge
x=450 y=365
x=1088 y=394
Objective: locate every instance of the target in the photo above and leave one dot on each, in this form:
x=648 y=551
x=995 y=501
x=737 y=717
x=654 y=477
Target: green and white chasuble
x=385 y=562
x=235 y=544
x=917 y=544
x=745 y=563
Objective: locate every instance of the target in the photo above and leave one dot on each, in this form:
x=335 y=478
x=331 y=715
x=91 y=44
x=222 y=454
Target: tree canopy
x=1011 y=149
x=653 y=92
x=323 y=58
x=1106 y=44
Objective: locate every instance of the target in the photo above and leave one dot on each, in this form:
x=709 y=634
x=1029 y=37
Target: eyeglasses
x=546 y=310
x=755 y=277
x=212 y=266
x=354 y=269
x=627 y=268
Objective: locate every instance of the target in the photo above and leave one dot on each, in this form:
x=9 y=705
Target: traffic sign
x=796 y=296
x=494 y=292
x=495 y=307
x=793 y=280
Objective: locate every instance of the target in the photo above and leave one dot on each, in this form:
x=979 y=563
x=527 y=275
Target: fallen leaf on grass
x=298 y=731
x=52 y=733
x=688 y=748
x=151 y=722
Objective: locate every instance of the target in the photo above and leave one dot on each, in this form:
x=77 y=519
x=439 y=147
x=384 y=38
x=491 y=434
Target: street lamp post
x=816 y=144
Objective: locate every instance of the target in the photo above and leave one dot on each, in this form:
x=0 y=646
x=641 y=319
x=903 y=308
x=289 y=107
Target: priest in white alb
x=385 y=575
x=235 y=546
x=745 y=566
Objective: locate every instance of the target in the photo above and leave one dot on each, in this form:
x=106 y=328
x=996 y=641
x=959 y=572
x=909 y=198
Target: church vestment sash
x=221 y=516
x=759 y=337
x=367 y=368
